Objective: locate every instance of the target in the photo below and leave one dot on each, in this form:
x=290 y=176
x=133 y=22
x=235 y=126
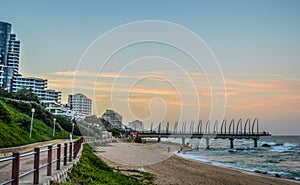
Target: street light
x=32 y=113
x=73 y=128
x=89 y=131
x=53 y=132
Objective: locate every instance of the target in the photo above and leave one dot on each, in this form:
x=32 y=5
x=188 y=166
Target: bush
x=5 y=115
x=138 y=139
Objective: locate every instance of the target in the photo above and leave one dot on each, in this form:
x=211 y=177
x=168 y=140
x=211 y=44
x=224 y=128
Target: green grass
x=92 y=170
x=15 y=118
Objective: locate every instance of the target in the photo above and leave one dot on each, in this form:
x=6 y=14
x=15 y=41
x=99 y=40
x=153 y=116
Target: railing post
x=36 y=166
x=65 y=154
x=58 y=156
x=49 y=160
x=75 y=149
x=15 y=168
x=70 y=152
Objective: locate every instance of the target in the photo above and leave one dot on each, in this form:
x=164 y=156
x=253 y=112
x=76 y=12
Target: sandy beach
x=160 y=160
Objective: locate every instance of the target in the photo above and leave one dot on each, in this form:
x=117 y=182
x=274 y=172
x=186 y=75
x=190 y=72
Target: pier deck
x=241 y=131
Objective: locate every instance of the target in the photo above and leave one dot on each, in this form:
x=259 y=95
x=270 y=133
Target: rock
x=277 y=175
x=258 y=171
x=265 y=145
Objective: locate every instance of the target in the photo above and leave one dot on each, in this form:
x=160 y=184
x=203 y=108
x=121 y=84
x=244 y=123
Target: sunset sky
x=256 y=44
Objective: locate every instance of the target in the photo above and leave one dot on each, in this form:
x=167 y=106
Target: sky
x=255 y=43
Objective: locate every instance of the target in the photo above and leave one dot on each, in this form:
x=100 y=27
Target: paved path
x=26 y=163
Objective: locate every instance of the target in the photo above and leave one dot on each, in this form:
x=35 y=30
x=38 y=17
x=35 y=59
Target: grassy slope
x=92 y=170
x=15 y=125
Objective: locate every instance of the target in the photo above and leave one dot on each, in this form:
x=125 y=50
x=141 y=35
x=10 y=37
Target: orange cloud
x=253 y=92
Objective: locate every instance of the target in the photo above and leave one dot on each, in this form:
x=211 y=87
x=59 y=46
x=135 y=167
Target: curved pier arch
x=216 y=127
x=192 y=127
x=253 y=125
x=245 y=126
x=175 y=127
x=241 y=127
x=167 y=127
x=183 y=127
x=207 y=127
x=199 y=128
x=223 y=125
x=231 y=125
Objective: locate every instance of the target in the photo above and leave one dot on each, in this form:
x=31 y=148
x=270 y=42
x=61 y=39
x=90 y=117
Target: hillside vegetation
x=15 y=119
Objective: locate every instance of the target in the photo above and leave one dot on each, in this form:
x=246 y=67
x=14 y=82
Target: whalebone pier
x=239 y=130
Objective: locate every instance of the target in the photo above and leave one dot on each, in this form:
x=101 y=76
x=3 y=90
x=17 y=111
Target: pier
x=240 y=130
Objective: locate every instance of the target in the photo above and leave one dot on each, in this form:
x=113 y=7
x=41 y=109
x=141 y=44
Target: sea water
x=281 y=158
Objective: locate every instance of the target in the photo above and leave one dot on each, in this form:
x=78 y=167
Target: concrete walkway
x=6 y=152
x=26 y=163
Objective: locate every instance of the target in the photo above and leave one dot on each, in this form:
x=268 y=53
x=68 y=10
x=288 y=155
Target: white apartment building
x=80 y=104
x=38 y=87
x=57 y=109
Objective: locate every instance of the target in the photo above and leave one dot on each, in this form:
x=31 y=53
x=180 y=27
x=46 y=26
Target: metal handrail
x=45 y=150
x=27 y=154
x=7 y=182
x=76 y=144
x=6 y=159
x=44 y=165
x=26 y=173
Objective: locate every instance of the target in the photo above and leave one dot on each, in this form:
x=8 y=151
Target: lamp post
x=88 y=135
x=32 y=113
x=53 y=132
x=73 y=128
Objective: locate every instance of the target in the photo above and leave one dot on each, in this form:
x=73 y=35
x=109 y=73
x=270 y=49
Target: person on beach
x=70 y=137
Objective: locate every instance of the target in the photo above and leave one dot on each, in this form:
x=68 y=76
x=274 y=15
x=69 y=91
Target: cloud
x=249 y=91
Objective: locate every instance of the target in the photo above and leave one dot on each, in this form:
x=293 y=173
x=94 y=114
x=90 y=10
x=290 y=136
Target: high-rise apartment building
x=10 y=78
x=9 y=56
x=13 y=60
x=81 y=104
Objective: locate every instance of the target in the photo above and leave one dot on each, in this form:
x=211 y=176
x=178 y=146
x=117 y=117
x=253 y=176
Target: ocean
x=281 y=158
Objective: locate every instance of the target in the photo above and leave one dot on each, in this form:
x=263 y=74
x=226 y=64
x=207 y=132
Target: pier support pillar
x=231 y=142
x=255 y=142
x=183 y=141
x=158 y=139
x=207 y=143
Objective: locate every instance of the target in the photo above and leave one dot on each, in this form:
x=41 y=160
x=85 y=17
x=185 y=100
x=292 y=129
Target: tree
x=26 y=95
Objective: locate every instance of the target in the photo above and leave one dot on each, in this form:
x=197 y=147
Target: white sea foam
x=273 y=173
x=283 y=148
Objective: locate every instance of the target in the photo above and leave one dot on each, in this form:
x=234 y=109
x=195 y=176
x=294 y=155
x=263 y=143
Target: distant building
x=9 y=56
x=113 y=118
x=38 y=87
x=136 y=125
x=80 y=104
x=57 y=109
x=10 y=78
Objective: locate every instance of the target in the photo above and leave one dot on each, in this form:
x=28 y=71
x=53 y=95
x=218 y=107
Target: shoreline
x=188 y=148
x=242 y=171
x=175 y=169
